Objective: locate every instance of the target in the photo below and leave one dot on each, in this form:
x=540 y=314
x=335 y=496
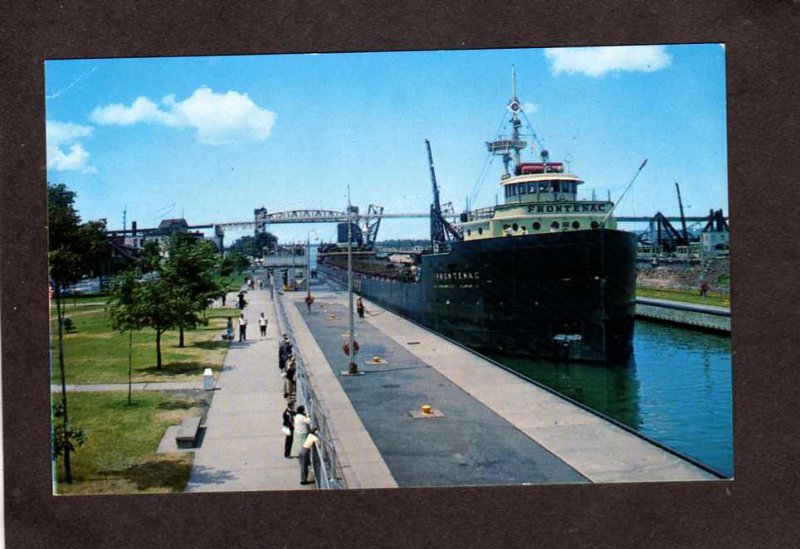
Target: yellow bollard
x=426 y=408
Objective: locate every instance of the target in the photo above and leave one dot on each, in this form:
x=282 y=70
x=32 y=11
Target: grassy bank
x=713 y=298
x=119 y=456
x=94 y=353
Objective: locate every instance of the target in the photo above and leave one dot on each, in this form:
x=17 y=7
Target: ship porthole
x=515 y=227
x=576 y=225
x=480 y=230
x=554 y=225
x=469 y=232
x=536 y=225
x=595 y=224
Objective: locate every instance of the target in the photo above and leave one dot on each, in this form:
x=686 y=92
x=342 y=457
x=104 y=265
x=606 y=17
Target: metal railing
x=327 y=470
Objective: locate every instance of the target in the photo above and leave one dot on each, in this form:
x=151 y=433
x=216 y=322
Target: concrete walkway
x=242 y=449
x=589 y=445
x=361 y=463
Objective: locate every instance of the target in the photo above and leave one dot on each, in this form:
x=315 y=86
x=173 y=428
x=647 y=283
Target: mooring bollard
x=208 y=380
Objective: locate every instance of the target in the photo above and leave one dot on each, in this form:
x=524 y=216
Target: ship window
x=480 y=230
x=469 y=232
x=595 y=224
x=554 y=225
x=576 y=225
x=544 y=187
x=536 y=225
x=531 y=188
x=556 y=187
x=515 y=227
x=522 y=188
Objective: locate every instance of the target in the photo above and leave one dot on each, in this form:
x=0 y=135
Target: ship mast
x=509 y=148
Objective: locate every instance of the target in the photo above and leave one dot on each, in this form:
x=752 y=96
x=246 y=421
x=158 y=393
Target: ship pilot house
x=540 y=197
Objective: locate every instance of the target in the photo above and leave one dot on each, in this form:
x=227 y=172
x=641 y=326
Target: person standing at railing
x=302 y=424
x=305 y=455
x=288 y=426
x=289 y=378
x=284 y=352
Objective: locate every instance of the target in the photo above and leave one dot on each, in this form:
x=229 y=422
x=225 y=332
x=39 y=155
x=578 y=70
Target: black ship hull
x=520 y=295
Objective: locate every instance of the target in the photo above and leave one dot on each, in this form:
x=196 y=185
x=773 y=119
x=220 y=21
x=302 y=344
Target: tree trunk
x=158 y=349
x=60 y=318
x=130 y=364
x=180 y=337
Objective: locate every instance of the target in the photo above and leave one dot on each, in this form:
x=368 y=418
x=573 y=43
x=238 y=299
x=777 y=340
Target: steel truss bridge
x=369 y=221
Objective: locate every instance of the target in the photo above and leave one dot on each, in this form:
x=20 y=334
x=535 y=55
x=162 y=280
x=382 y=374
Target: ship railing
x=481 y=213
x=327 y=469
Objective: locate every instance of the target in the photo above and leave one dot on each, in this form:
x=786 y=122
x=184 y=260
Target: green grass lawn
x=119 y=455
x=715 y=299
x=94 y=353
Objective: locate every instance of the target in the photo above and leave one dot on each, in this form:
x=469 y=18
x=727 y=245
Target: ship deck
x=490 y=427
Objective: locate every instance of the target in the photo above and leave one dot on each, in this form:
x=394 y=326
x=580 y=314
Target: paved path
x=487 y=409
x=148 y=386
x=242 y=449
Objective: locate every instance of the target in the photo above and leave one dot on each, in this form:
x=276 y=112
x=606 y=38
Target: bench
x=187 y=432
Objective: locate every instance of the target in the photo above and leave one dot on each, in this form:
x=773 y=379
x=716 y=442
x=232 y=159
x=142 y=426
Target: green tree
x=124 y=313
x=233 y=262
x=75 y=250
x=150 y=257
x=154 y=309
x=190 y=273
x=253 y=246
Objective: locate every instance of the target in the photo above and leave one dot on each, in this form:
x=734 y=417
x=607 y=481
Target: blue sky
x=212 y=138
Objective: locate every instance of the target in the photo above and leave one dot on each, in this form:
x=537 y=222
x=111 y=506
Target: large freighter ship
x=542 y=274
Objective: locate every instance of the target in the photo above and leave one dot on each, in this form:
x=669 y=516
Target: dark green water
x=676 y=389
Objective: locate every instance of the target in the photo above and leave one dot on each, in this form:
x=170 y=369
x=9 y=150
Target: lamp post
x=309 y=299
x=352 y=367
x=294 y=279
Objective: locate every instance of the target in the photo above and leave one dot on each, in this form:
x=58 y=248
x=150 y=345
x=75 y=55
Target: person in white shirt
x=262 y=325
x=242 y=328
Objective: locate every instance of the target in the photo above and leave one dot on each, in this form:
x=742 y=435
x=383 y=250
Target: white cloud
x=598 y=61
x=218 y=118
x=530 y=108
x=64 y=151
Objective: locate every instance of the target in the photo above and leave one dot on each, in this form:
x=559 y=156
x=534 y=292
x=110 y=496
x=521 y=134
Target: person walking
x=360 y=308
x=242 y=328
x=242 y=302
x=306 y=453
x=262 y=325
x=301 y=426
x=288 y=426
x=260 y=284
